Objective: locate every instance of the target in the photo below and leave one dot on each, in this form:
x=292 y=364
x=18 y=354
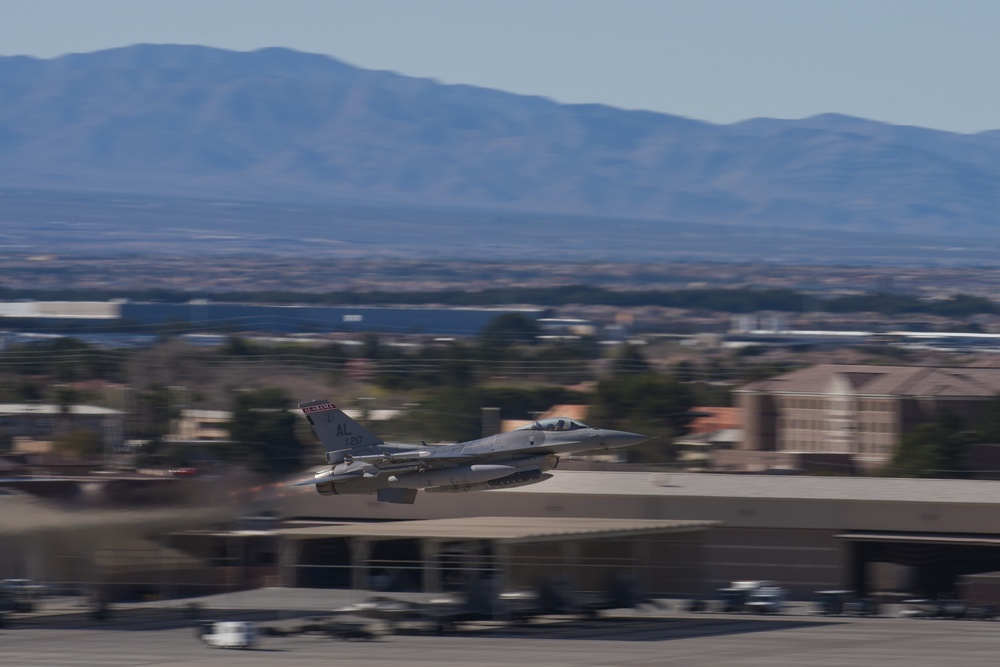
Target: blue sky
x=917 y=62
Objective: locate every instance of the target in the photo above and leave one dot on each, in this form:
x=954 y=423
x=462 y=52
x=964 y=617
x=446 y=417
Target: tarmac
x=63 y=633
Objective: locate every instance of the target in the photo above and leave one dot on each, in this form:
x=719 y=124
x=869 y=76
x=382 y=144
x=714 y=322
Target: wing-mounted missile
x=388 y=457
x=520 y=478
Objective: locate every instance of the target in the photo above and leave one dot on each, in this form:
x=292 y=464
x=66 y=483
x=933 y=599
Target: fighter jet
x=362 y=463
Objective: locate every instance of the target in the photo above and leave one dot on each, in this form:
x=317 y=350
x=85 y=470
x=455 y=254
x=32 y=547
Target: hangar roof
x=791 y=487
x=924 y=538
x=497 y=528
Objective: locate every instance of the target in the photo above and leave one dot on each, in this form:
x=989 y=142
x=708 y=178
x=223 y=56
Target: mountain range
x=281 y=125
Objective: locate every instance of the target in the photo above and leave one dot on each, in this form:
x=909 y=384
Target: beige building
x=201 y=426
x=860 y=411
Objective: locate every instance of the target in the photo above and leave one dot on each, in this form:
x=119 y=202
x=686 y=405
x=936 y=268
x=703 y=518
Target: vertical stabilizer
x=339 y=433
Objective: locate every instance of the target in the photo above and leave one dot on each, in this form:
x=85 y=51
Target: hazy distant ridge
x=184 y=120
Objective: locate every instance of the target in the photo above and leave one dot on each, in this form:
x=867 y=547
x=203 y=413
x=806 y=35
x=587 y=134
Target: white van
x=229 y=634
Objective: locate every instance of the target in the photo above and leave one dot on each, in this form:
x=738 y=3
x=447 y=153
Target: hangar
x=675 y=533
x=447 y=554
x=807 y=533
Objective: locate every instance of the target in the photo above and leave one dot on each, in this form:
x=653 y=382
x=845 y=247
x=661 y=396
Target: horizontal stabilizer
x=336 y=456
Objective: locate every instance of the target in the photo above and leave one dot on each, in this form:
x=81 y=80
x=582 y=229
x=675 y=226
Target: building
x=699 y=449
x=867 y=534
x=677 y=534
x=239 y=317
x=711 y=418
x=27 y=422
x=201 y=426
x=860 y=411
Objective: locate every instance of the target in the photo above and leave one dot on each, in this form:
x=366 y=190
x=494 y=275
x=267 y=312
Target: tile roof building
x=712 y=419
x=862 y=411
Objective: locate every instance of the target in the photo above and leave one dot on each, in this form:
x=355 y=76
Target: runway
x=158 y=635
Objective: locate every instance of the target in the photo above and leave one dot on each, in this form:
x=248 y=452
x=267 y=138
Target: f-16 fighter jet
x=362 y=463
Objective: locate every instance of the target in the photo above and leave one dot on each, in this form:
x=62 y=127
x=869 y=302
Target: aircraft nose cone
x=615 y=439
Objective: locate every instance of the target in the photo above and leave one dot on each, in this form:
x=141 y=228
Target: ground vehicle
x=986 y=612
x=228 y=634
x=863 y=607
x=19 y=595
x=831 y=603
x=731 y=599
x=766 y=600
x=917 y=608
x=696 y=605
x=738 y=594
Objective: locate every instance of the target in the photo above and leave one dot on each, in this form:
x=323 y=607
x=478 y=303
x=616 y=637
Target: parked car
x=228 y=634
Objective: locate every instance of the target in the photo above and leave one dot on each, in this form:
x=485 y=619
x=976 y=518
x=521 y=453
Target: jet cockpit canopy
x=554 y=424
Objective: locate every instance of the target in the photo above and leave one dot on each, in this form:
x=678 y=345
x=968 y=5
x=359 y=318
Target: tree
x=155 y=410
x=457 y=369
x=652 y=404
x=65 y=398
x=236 y=346
x=372 y=348
x=81 y=444
x=263 y=428
x=525 y=402
x=988 y=426
x=509 y=329
x=629 y=361
x=936 y=449
x=441 y=414
x=685 y=371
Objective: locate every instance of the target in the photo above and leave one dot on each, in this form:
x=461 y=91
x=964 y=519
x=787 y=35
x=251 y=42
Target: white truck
x=228 y=634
